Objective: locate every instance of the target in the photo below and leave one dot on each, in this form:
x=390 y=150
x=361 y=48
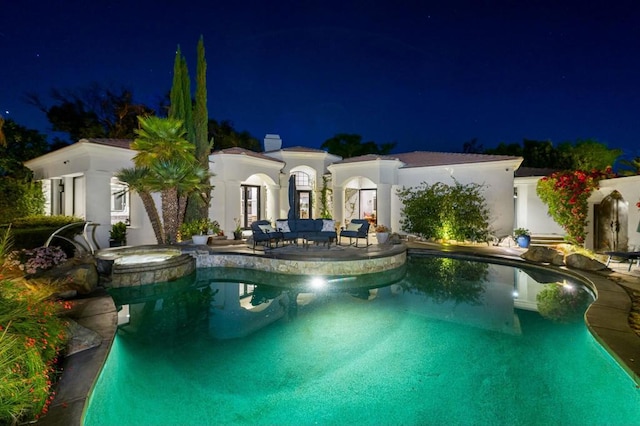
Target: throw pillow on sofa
x=283 y=225
x=266 y=228
x=354 y=226
x=328 y=225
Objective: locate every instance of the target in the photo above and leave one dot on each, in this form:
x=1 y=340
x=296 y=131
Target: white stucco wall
x=86 y=169
x=230 y=171
x=531 y=212
x=383 y=174
x=312 y=162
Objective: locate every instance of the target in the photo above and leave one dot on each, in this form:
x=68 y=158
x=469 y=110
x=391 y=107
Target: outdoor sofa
x=264 y=233
x=316 y=230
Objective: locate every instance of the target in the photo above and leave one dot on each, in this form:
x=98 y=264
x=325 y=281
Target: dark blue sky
x=428 y=75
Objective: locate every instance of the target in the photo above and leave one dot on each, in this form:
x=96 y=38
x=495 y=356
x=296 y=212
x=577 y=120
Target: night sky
x=428 y=75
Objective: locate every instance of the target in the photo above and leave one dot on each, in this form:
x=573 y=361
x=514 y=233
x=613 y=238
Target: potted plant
x=522 y=237
x=118 y=235
x=198 y=230
x=237 y=233
x=216 y=231
x=382 y=233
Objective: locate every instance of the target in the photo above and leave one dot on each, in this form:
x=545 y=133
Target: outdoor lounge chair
x=626 y=256
x=357 y=228
x=263 y=232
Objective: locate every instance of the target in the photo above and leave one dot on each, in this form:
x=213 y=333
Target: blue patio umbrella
x=293 y=199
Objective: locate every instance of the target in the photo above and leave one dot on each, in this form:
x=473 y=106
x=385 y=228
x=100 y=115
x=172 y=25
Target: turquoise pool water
x=450 y=342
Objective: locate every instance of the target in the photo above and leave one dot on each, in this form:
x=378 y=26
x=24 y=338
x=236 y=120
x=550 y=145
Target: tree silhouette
x=94 y=111
x=348 y=145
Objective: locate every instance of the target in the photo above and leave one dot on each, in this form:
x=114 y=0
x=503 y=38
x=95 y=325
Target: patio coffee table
x=316 y=239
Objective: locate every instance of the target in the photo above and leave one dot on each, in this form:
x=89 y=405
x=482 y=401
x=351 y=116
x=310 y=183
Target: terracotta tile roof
x=303 y=149
x=367 y=157
x=118 y=143
x=426 y=158
x=242 y=151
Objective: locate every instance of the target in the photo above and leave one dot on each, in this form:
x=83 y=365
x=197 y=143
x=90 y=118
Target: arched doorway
x=611 y=224
x=361 y=200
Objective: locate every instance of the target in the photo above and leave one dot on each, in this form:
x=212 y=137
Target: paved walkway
x=607 y=318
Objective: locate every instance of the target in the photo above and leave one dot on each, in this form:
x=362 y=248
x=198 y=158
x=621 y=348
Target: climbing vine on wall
x=325 y=199
x=566 y=195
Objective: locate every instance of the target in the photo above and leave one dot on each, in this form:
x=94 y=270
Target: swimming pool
x=444 y=341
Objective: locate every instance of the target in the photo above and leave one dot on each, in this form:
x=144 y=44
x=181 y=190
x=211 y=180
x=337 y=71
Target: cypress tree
x=195 y=119
x=201 y=127
x=187 y=102
x=176 y=109
x=201 y=114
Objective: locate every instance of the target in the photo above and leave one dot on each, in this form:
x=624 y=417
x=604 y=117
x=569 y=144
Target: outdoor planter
x=382 y=237
x=522 y=237
x=200 y=239
x=523 y=241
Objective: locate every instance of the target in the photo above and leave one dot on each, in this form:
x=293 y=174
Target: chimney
x=272 y=142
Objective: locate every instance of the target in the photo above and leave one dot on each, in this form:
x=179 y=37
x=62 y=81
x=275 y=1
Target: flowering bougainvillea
x=565 y=194
x=35 y=260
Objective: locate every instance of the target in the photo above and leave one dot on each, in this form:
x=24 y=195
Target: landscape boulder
x=80 y=275
x=541 y=254
x=580 y=261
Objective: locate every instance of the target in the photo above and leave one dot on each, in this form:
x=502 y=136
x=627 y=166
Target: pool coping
x=606 y=319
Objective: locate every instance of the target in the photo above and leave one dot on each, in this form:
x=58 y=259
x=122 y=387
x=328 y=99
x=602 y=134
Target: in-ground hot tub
x=132 y=266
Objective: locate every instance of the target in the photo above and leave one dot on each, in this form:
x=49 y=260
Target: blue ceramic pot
x=523 y=241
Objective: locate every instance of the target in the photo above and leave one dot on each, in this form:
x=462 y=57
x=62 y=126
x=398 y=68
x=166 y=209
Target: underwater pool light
x=318 y=283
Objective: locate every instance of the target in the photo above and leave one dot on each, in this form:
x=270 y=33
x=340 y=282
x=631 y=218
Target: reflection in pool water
x=443 y=341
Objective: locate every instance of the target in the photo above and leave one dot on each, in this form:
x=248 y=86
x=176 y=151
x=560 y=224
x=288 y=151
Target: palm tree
x=172 y=169
x=632 y=167
x=176 y=180
x=137 y=180
x=160 y=139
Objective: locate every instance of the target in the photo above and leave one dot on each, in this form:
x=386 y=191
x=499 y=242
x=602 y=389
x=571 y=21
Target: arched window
x=303 y=180
x=304 y=197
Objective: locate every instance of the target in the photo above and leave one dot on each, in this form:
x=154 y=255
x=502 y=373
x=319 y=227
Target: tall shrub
x=19 y=198
x=442 y=211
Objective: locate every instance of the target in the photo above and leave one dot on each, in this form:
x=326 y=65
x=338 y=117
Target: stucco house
x=80 y=180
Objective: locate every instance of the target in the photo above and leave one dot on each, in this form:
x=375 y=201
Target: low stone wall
x=115 y=265
x=153 y=272
x=303 y=267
